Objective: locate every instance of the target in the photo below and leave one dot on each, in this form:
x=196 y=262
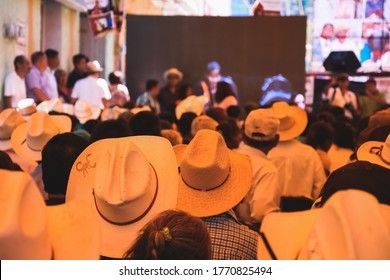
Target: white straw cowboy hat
x=375 y=152
x=192 y=103
x=351 y=225
x=9 y=120
x=112 y=113
x=173 y=71
x=84 y=111
x=54 y=104
x=136 y=110
x=31 y=230
x=127 y=180
x=203 y=122
x=27 y=107
x=293 y=120
x=94 y=67
x=213 y=179
x=29 y=138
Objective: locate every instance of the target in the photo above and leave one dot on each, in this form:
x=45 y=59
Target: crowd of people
x=183 y=173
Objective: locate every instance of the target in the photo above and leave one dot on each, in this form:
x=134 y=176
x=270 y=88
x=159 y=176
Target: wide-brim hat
x=127 y=181
x=47 y=106
x=94 y=67
x=173 y=71
x=112 y=113
x=31 y=230
x=376 y=152
x=9 y=120
x=213 y=179
x=84 y=111
x=293 y=120
x=331 y=232
x=29 y=138
x=27 y=107
x=193 y=104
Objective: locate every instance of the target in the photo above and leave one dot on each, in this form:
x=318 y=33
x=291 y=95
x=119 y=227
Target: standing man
x=79 y=71
x=53 y=62
x=36 y=79
x=15 y=86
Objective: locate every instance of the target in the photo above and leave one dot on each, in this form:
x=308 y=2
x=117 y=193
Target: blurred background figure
x=119 y=92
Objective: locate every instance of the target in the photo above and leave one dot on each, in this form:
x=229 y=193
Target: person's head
x=145 y=123
x=320 y=136
x=213 y=72
x=173 y=76
x=90 y=125
x=341 y=33
x=152 y=87
x=58 y=156
x=184 y=123
x=39 y=60
x=370 y=85
x=172 y=235
x=218 y=114
x=61 y=77
x=22 y=65
x=224 y=90
x=115 y=78
x=231 y=133
x=327 y=31
x=53 y=59
x=80 y=62
x=233 y=112
x=110 y=129
x=184 y=91
x=344 y=136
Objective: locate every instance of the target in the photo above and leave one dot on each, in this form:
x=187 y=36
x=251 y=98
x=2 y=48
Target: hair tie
x=167 y=235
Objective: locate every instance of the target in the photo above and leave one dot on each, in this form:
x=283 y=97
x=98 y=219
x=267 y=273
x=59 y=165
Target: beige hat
x=375 y=152
x=261 y=125
x=29 y=138
x=30 y=230
x=68 y=108
x=127 y=180
x=173 y=136
x=9 y=120
x=293 y=120
x=173 y=71
x=193 y=104
x=136 y=110
x=213 y=179
x=27 y=107
x=84 y=111
x=351 y=225
x=47 y=106
x=94 y=67
x=112 y=113
x=203 y=122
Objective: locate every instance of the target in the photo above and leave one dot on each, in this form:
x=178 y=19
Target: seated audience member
x=58 y=157
x=218 y=114
x=165 y=116
x=300 y=169
x=350 y=236
x=202 y=122
x=184 y=126
x=231 y=133
x=110 y=129
x=7 y=163
x=224 y=96
x=90 y=125
x=32 y=231
x=212 y=180
x=260 y=136
x=234 y=112
x=173 y=136
x=343 y=145
x=150 y=96
x=373 y=99
x=145 y=123
x=320 y=137
x=127 y=181
x=119 y=92
x=172 y=235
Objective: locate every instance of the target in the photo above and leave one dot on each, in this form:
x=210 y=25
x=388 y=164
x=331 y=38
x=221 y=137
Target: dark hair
x=217 y=114
x=167 y=116
x=18 y=60
x=114 y=79
x=145 y=123
x=6 y=162
x=110 y=129
x=36 y=56
x=224 y=90
x=58 y=156
x=230 y=132
x=150 y=84
x=90 y=125
x=78 y=57
x=371 y=81
x=320 y=135
x=50 y=53
x=255 y=143
x=184 y=124
x=172 y=235
x=182 y=91
x=344 y=135
x=233 y=111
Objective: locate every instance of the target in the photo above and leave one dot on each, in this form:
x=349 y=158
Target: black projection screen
x=249 y=50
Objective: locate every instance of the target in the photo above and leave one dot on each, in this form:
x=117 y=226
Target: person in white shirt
x=300 y=169
x=343 y=43
x=259 y=137
x=92 y=89
x=53 y=61
x=15 y=86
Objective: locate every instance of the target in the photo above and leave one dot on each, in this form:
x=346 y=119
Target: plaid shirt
x=230 y=239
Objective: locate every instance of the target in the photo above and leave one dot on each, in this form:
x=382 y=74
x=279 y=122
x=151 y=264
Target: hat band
x=203 y=190
x=140 y=216
x=378 y=152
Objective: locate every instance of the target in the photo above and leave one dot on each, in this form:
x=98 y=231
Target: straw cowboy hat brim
x=9 y=120
x=192 y=103
x=300 y=123
x=19 y=143
x=92 y=115
x=371 y=151
x=219 y=200
x=115 y=239
x=112 y=113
